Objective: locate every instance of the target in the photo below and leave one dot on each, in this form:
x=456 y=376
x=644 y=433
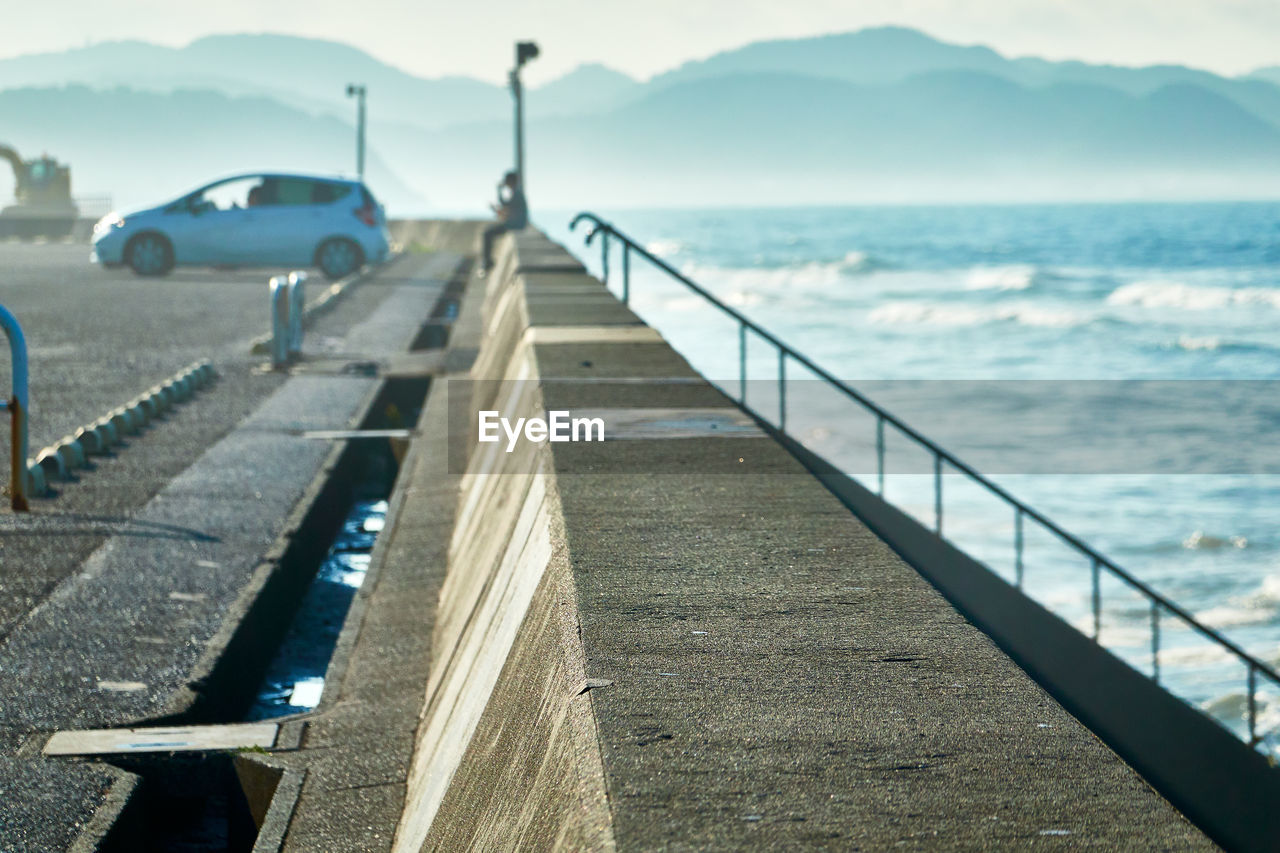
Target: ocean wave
x=1206 y=654
x=1260 y=607
x=935 y=314
x=1208 y=343
x=1233 y=707
x=742 y=298
x=1162 y=293
x=1201 y=541
x=665 y=248
x=860 y=262
x=1012 y=277
x=809 y=274
x=1216 y=343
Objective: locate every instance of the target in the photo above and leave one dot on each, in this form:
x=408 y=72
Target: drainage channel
x=295 y=677
x=276 y=664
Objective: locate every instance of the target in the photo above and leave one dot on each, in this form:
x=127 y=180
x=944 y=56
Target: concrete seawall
x=679 y=636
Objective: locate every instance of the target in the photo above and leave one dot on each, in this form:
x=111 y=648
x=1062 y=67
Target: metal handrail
x=17 y=405
x=1098 y=562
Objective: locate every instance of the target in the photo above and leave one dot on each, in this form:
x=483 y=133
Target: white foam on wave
x=664 y=248
x=1233 y=707
x=777 y=280
x=743 y=298
x=1163 y=293
x=1192 y=656
x=1260 y=607
x=1208 y=343
x=855 y=262
x=937 y=314
x=813 y=274
x=1201 y=541
x=1013 y=277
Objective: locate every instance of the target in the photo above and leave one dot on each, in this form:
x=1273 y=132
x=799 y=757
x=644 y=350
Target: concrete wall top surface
x=679 y=637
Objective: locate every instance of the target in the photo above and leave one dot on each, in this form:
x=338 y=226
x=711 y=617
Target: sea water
x=1044 y=294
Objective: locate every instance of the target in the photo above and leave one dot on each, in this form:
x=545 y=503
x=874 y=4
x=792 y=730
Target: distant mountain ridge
x=146 y=147
x=310 y=74
x=880 y=114
x=314 y=73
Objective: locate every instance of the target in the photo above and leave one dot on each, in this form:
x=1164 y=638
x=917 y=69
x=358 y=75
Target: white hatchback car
x=251 y=220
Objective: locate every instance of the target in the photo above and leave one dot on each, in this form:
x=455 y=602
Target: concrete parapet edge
x=506 y=639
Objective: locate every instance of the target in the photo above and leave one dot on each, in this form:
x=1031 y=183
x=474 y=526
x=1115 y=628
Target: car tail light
x=367 y=214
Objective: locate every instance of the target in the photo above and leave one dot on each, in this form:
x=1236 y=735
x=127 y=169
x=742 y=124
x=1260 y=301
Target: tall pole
x=358 y=92
x=518 y=92
x=525 y=50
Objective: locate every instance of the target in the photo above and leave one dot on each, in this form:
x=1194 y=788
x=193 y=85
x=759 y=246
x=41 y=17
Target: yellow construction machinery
x=42 y=191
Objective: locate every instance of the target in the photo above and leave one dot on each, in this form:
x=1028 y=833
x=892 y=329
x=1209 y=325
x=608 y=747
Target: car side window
x=231 y=195
x=291 y=191
x=327 y=193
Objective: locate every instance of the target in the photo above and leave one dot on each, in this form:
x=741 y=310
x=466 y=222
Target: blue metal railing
x=18 y=406
x=942 y=460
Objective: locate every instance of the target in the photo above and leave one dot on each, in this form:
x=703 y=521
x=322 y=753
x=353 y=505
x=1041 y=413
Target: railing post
x=937 y=493
x=626 y=273
x=19 y=479
x=1253 y=705
x=604 y=257
x=1155 y=641
x=1017 y=547
x=782 y=389
x=880 y=451
x=1097 y=600
x=297 y=306
x=278 y=287
x=742 y=363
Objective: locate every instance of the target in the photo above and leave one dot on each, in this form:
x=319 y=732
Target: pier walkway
x=677 y=637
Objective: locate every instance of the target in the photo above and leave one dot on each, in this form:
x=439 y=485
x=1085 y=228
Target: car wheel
x=149 y=254
x=339 y=258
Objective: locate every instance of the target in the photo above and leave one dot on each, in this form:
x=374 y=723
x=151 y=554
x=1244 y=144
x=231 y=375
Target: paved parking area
x=96 y=339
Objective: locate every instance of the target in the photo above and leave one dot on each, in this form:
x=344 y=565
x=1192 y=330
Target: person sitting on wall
x=512 y=213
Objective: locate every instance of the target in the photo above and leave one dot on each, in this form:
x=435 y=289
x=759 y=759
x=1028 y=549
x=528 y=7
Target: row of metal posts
x=288 y=301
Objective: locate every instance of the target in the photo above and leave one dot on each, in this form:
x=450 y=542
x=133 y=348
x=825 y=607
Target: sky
x=433 y=38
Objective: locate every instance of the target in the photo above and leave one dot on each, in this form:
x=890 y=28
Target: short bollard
x=19 y=478
x=288 y=306
x=279 y=287
x=297 y=305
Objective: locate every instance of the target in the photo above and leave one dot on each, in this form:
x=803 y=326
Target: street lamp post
x=358 y=92
x=525 y=51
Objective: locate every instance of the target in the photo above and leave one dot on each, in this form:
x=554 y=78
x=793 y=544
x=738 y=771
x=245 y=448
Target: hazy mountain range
x=875 y=115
